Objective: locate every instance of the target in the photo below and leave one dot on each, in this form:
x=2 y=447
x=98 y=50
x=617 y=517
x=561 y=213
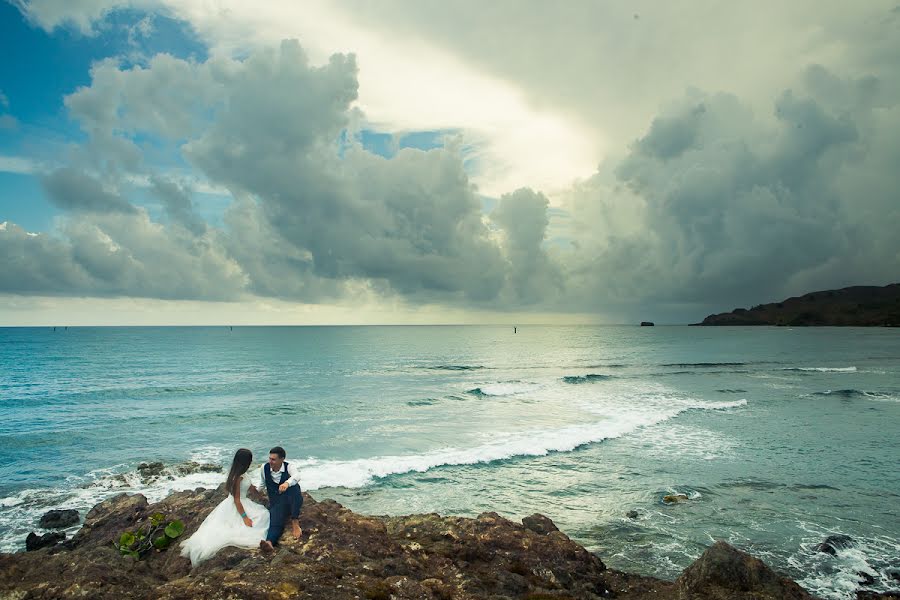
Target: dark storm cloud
x=722 y=207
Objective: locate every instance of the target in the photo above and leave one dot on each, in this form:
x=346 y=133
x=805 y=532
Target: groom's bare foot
x=295 y=526
x=266 y=546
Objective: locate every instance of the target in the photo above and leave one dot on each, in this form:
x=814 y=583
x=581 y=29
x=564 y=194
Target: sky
x=187 y=162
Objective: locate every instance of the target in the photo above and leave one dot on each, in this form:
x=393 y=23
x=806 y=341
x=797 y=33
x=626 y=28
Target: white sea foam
x=539 y=442
x=837 y=577
x=824 y=369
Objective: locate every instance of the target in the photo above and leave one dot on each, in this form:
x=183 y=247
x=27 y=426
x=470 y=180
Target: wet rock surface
x=833 y=543
x=347 y=555
x=36 y=542
x=59 y=519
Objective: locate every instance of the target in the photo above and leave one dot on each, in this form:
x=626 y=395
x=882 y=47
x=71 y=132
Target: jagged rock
x=833 y=543
x=150 y=470
x=154 y=471
x=538 y=523
x=632 y=514
x=869 y=595
x=343 y=555
x=58 y=519
x=36 y=542
x=725 y=573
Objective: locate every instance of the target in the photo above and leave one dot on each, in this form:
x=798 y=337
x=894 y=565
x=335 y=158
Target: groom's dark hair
x=279 y=451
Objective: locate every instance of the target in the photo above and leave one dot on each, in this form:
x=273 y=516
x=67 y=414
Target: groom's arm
x=293 y=478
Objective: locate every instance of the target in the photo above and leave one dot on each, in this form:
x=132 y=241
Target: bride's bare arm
x=236 y=494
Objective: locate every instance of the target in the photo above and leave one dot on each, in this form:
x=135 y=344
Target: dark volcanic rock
x=149 y=470
x=833 y=543
x=36 y=542
x=632 y=514
x=538 y=523
x=58 y=519
x=345 y=555
x=726 y=573
x=861 y=306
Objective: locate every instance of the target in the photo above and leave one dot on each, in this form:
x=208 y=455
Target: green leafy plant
x=157 y=534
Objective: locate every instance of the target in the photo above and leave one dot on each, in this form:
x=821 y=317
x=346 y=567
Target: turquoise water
x=778 y=436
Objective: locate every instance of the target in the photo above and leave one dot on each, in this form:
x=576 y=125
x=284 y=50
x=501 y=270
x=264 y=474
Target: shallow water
x=780 y=437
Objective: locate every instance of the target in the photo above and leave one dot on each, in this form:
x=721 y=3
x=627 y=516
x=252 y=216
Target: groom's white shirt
x=293 y=479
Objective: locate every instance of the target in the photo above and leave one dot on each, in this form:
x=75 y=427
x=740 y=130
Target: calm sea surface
x=779 y=437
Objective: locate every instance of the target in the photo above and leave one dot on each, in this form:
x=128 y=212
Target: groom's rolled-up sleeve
x=262 y=479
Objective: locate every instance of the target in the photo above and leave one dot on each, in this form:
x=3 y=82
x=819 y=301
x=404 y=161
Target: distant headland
x=857 y=306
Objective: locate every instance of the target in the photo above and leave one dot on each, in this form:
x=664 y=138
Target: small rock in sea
x=538 y=523
x=191 y=467
x=36 y=542
x=58 y=519
x=833 y=543
x=674 y=498
x=865 y=578
x=632 y=514
x=153 y=469
x=893 y=574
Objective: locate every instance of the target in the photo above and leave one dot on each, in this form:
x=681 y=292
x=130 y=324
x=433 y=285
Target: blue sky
x=48 y=66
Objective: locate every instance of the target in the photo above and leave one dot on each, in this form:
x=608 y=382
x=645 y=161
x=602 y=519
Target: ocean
x=779 y=437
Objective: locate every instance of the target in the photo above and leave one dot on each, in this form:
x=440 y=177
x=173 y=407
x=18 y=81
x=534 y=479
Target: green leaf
x=157 y=519
x=162 y=542
x=174 y=529
x=135 y=555
x=126 y=540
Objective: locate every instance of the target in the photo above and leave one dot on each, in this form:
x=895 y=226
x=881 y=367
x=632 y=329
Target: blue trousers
x=282 y=505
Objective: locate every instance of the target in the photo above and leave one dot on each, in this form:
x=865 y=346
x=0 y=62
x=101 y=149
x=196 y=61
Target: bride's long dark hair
x=239 y=466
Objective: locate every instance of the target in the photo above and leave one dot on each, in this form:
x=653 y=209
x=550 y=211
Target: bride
x=236 y=521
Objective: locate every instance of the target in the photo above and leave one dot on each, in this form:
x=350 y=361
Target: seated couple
x=239 y=521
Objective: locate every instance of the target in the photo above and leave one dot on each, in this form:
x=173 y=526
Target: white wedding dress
x=225 y=527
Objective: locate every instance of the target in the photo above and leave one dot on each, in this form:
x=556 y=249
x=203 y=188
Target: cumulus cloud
x=715 y=207
x=74 y=190
x=721 y=198
x=315 y=216
x=522 y=216
x=117 y=255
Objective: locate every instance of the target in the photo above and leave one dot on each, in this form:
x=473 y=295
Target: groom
x=282 y=482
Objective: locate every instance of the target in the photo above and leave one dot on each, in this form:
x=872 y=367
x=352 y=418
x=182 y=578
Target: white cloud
x=19 y=164
x=408 y=84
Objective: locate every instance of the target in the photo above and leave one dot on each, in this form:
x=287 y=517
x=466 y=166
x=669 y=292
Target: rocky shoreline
x=347 y=555
x=858 y=306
